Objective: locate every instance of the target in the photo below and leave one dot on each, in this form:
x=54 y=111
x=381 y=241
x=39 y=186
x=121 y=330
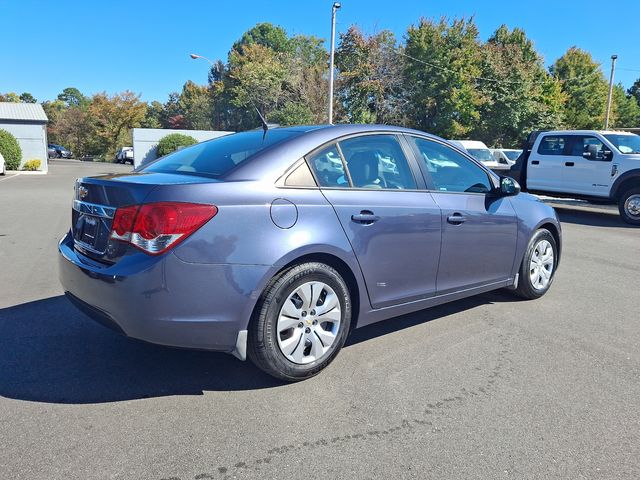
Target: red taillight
x=156 y=227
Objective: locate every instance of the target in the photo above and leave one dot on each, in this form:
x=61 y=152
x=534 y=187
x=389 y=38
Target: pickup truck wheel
x=538 y=266
x=629 y=206
x=300 y=323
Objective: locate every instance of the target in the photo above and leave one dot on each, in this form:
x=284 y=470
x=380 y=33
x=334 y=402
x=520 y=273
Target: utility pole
x=334 y=8
x=613 y=67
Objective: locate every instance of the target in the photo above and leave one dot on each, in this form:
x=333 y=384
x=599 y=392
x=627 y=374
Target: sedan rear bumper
x=162 y=299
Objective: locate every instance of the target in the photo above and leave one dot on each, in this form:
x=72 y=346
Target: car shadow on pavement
x=591 y=218
x=50 y=352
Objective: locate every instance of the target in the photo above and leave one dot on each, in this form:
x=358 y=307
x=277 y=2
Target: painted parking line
x=9 y=177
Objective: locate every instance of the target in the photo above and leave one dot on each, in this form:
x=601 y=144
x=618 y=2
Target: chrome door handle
x=456 y=219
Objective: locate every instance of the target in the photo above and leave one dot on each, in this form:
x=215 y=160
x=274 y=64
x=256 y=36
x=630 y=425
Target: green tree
x=584 y=86
x=625 y=111
x=370 y=81
x=172 y=142
x=10 y=150
x=520 y=95
x=258 y=75
x=444 y=59
x=152 y=118
x=266 y=34
x=26 y=97
x=293 y=114
x=195 y=103
x=10 y=97
x=72 y=97
x=114 y=117
x=634 y=91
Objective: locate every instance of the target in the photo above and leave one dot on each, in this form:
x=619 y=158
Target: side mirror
x=509 y=187
x=592 y=152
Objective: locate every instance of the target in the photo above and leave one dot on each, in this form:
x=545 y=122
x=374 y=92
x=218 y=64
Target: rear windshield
x=481 y=154
x=215 y=158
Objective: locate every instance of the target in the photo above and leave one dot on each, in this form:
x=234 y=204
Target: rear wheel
x=301 y=322
x=538 y=266
x=629 y=206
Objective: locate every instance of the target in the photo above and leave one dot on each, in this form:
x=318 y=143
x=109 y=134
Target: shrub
x=172 y=142
x=10 y=150
x=31 y=165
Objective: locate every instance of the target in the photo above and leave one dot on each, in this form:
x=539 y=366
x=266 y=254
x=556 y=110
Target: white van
x=480 y=152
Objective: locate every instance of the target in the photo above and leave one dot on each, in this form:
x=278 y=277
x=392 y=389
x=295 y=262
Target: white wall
x=145 y=141
x=32 y=138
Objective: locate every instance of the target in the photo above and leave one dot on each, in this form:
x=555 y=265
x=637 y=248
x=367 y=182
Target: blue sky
x=143 y=46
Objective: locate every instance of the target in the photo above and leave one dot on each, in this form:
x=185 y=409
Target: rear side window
x=553 y=145
x=580 y=145
x=217 y=157
x=327 y=164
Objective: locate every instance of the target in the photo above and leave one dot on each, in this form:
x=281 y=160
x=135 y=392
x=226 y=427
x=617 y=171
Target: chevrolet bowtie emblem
x=82 y=192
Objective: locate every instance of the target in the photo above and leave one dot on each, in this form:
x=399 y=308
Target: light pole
x=606 y=117
x=334 y=8
x=194 y=56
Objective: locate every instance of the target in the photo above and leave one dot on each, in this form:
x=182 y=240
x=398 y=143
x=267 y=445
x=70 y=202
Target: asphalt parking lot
x=488 y=387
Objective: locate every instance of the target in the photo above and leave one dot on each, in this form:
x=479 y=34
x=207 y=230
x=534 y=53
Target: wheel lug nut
x=304 y=314
x=312 y=312
x=315 y=322
x=300 y=325
x=307 y=330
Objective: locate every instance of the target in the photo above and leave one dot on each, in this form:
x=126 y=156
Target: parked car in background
x=597 y=166
x=51 y=151
x=480 y=152
x=3 y=165
x=61 y=152
x=244 y=244
x=124 y=155
x=505 y=156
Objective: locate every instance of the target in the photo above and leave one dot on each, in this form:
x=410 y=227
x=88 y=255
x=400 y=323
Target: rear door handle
x=535 y=162
x=365 y=217
x=456 y=219
x=569 y=164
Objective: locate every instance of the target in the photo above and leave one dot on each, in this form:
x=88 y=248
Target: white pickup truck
x=597 y=166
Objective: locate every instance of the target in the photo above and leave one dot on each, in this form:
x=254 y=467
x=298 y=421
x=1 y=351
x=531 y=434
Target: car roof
x=586 y=132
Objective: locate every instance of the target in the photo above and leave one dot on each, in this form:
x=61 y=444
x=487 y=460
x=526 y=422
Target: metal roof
x=24 y=112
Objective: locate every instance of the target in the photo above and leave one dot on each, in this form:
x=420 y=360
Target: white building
x=145 y=141
x=28 y=123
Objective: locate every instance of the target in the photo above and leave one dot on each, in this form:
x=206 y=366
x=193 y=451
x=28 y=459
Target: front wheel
x=301 y=322
x=538 y=266
x=629 y=206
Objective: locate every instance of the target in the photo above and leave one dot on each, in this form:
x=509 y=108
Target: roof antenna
x=265 y=125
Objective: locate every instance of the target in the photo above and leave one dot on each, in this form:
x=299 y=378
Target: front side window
x=450 y=171
x=581 y=144
x=377 y=162
x=552 y=145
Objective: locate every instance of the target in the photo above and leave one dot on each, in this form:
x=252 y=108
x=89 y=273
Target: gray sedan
x=274 y=245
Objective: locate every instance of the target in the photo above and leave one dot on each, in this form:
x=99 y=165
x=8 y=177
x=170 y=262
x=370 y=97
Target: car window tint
x=552 y=145
x=327 y=165
x=451 y=171
x=581 y=143
x=217 y=157
x=377 y=162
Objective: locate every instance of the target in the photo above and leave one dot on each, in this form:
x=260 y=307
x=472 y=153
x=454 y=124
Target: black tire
x=525 y=288
x=626 y=215
x=262 y=343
